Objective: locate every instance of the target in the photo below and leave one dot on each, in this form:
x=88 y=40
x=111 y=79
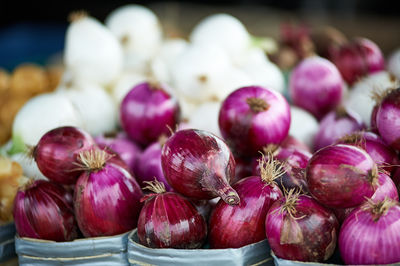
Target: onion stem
x=93 y=159
x=155 y=186
x=257 y=104
x=378 y=209
x=270 y=168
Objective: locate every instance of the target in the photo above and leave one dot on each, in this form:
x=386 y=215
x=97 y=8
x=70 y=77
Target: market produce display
x=200 y=143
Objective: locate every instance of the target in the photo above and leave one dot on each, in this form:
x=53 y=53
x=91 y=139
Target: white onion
x=92 y=53
x=223 y=30
x=303 y=125
x=359 y=98
x=39 y=115
x=95 y=107
x=394 y=63
x=205 y=117
x=124 y=84
x=29 y=166
x=139 y=31
x=229 y=81
x=197 y=69
x=188 y=107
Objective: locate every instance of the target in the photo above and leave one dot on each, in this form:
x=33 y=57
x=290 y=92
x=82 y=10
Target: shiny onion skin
x=119 y=143
x=377 y=230
x=168 y=220
x=149 y=166
x=388 y=119
x=316 y=86
x=335 y=125
x=42 y=211
x=379 y=151
x=243 y=168
x=299 y=228
x=106 y=197
x=341 y=176
x=57 y=151
x=244 y=224
x=148 y=111
x=253 y=117
x=357 y=59
x=199 y=165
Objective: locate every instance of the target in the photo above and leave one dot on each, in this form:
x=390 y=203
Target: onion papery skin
x=149 y=166
x=386 y=189
x=310 y=237
x=243 y=224
x=199 y=165
x=379 y=151
x=357 y=59
x=127 y=150
x=295 y=163
x=107 y=201
x=341 y=176
x=168 y=220
x=246 y=127
x=335 y=125
x=316 y=86
x=42 y=211
x=363 y=241
x=57 y=151
x=388 y=119
x=147 y=111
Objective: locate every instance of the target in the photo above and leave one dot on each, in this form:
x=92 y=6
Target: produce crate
x=7 y=247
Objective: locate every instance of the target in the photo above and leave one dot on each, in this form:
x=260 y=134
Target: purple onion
x=149 y=166
x=335 y=125
x=252 y=117
x=147 y=111
x=119 y=143
x=377 y=229
x=316 y=86
x=388 y=119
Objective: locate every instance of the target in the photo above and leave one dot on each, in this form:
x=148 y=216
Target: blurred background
x=34 y=31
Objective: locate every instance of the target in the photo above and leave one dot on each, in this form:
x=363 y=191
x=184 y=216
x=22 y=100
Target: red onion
x=57 y=152
x=298 y=228
x=168 y=220
x=292 y=142
x=203 y=207
x=149 y=165
x=294 y=163
x=106 y=198
x=119 y=143
x=243 y=168
x=388 y=119
x=199 y=165
x=371 y=234
x=341 y=176
x=357 y=59
x=396 y=178
x=148 y=111
x=316 y=86
x=253 y=117
x=382 y=154
x=41 y=211
x=244 y=224
x=335 y=125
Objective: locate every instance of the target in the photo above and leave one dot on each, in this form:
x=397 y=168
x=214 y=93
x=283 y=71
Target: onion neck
x=93 y=160
x=356 y=138
x=373 y=176
x=271 y=169
x=380 y=208
x=256 y=104
x=219 y=186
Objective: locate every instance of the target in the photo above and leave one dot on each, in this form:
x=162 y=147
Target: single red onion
x=253 y=117
x=294 y=163
x=56 y=154
x=341 y=176
x=386 y=189
x=357 y=59
x=388 y=119
x=199 y=165
x=167 y=220
x=292 y=142
x=106 y=198
x=335 y=125
x=378 y=95
x=244 y=224
x=377 y=229
x=299 y=228
x=119 y=143
x=148 y=111
x=41 y=211
x=316 y=86
x=149 y=165
x=382 y=154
